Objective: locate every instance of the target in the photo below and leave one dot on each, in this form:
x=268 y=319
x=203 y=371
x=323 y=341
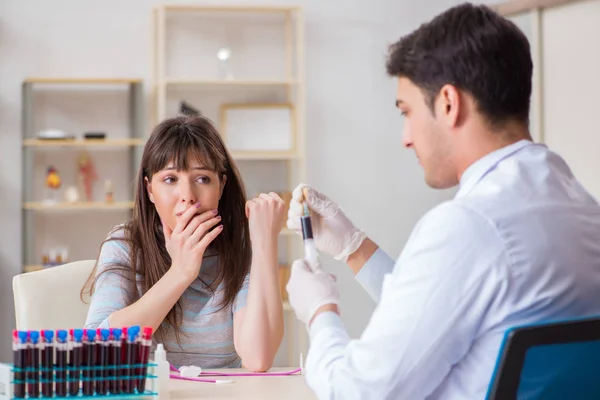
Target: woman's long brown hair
x=172 y=141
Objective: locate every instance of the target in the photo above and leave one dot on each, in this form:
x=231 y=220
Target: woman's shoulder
x=115 y=247
x=117 y=232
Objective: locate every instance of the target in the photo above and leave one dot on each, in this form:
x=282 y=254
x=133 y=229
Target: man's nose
x=406 y=138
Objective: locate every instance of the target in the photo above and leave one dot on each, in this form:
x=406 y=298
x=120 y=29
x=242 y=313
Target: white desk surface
x=291 y=387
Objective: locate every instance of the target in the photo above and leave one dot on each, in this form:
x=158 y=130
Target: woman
x=196 y=262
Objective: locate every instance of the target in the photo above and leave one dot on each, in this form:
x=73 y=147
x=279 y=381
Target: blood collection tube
x=89 y=360
x=61 y=363
x=124 y=370
x=19 y=359
x=33 y=375
x=143 y=356
x=47 y=363
x=102 y=362
x=130 y=356
x=114 y=360
x=75 y=360
x=135 y=350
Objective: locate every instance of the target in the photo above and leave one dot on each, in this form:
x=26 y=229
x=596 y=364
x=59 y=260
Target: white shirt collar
x=480 y=168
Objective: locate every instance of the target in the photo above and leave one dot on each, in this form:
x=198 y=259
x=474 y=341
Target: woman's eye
x=204 y=179
x=169 y=179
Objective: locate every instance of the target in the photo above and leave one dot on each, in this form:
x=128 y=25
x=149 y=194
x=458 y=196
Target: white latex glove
x=333 y=232
x=309 y=290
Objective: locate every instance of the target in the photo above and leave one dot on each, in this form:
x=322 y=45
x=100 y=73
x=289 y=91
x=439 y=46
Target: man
x=518 y=244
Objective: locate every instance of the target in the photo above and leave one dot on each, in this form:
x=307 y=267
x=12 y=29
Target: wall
x=571 y=83
x=353 y=130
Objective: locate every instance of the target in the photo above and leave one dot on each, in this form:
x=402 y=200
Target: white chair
x=50 y=298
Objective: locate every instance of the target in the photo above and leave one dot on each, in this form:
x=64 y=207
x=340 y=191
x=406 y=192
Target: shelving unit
x=75 y=216
x=272 y=36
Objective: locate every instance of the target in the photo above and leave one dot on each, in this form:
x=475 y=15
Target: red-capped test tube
x=19 y=361
x=143 y=356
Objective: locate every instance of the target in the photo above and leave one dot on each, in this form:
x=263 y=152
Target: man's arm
x=428 y=317
x=370 y=264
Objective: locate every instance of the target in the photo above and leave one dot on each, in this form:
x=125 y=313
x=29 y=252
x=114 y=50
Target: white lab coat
x=519 y=243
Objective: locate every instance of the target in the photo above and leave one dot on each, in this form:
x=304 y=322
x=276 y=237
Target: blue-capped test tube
x=114 y=362
x=75 y=360
x=33 y=373
x=130 y=356
x=48 y=363
x=89 y=361
x=102 y=362
x=61 y=363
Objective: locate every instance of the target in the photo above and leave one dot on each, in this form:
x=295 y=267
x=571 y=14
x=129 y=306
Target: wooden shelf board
x=32 y=268
x=233 y=82
x=82 y=142
x=85 y=81
x=99 y=205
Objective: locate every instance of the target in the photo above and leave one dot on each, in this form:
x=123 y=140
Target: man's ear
x=149 y=189
x=448 y=105
x=223 y=182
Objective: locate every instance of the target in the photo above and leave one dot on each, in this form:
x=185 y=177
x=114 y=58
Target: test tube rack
x=9 y=384
x=76 y=365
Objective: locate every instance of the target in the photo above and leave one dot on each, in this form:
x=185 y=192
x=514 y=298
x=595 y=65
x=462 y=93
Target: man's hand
x=333 y=232
x=310 y=292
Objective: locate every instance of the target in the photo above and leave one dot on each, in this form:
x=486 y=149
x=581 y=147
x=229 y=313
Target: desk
x=291 y=387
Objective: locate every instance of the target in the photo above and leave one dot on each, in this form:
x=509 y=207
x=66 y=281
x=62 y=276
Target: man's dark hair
x=474 y=49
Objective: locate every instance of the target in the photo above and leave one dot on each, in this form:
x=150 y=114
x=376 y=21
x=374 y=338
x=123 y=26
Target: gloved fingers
x=296 y=208
x=293 y=223
x=298 y=269
x=299 y=266
x=297 y=193
x=315 y=200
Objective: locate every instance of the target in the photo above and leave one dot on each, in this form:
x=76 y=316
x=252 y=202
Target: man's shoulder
x=454 y=217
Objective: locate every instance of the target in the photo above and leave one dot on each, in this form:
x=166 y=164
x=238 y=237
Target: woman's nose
x=187 y=194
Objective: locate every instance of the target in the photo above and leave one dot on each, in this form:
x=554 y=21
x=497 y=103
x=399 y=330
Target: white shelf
x=233 y=82
x=82 y=143
x=249 y=155
x=84 y=81
x=215 y=8
x=79 y=206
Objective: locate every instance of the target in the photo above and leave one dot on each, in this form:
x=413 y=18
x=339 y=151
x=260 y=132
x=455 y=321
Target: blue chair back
x=552 y=361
